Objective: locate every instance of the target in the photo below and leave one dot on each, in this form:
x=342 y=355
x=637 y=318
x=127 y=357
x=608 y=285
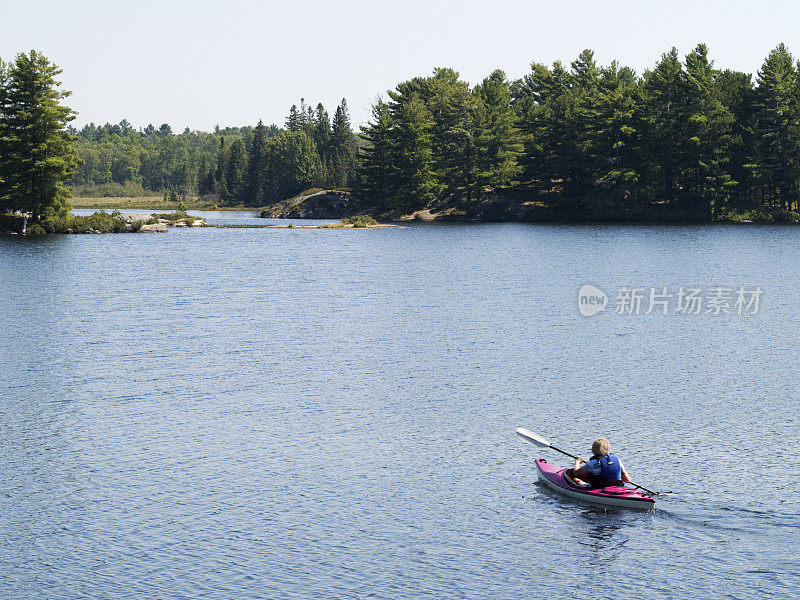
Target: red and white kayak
x=608 y=497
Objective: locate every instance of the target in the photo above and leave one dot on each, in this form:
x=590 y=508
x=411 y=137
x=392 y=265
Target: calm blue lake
x=293 y=414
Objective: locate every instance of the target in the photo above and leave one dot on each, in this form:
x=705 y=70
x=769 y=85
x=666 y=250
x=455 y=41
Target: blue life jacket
x=610 y=472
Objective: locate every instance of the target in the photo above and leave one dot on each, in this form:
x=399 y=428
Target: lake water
x=251 y=413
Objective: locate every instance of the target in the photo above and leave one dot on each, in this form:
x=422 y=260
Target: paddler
x=603 y=469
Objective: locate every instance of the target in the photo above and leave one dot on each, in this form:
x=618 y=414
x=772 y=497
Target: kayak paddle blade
x=531 y=438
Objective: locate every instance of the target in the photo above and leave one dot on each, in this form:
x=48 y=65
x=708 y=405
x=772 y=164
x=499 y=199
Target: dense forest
x=682 y=141
x=236 y=165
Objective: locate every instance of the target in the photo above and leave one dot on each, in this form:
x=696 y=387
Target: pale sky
x=199 y=64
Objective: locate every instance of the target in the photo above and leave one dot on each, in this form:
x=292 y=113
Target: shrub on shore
x=68 y=223
x=360 y=221
x=759 y=215
x=786 y=216
x=174 y=217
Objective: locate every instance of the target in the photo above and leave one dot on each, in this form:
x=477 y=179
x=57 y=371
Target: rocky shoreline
x=500 y=205
x=516 y=204
x=142 y=222
x=99 y=222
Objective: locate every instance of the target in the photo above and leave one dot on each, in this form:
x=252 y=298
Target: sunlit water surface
x=251 y=413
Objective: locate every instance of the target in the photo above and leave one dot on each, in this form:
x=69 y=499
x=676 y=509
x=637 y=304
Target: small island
x=99 y=222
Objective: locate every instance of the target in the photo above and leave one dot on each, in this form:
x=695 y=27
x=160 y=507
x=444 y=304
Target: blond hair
x=601 y=447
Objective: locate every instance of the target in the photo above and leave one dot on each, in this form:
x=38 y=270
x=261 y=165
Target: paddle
x=536 y=440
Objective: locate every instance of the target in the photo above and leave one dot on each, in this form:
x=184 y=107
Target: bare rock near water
x=324 y=204
x=153 y=228
x=130 y=218
x=198 y=223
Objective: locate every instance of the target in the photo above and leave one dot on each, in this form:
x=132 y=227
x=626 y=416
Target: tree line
x=237 y=165
x=682 y=141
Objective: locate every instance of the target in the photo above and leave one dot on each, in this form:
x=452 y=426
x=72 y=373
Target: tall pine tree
x=37 y=152
x=257 y=166
x=778 y=113
x=377 y=162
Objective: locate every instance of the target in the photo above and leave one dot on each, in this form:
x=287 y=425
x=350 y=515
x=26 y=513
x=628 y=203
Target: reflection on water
x=286 y=414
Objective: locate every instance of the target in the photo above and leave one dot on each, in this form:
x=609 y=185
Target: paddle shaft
x=562 y=452
x=641 y=487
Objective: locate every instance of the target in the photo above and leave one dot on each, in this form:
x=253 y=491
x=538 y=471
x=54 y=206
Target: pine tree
x=5 y=140
x=236 y=173
x=666 y=118
x=541 y=103
x=736 y=92
x=453 y=109
x=497 y=139
x=294 y=120
x=377 y=163
x=38 y=157
x=412 y=154
x=778 y=113
x=613 y=127
x=322 y=130
x=302 y=114
x=707 y=183
x=257 y=166
x=344 y=145
x=220 y=176
x=202 y=171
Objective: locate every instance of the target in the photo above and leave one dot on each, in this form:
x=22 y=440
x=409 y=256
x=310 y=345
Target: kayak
x=615 y=496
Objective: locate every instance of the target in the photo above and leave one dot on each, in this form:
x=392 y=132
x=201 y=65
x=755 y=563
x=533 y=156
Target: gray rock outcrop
x=153 y=228
x=325 y=204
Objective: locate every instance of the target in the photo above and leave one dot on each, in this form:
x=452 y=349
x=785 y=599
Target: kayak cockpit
x=576 y=483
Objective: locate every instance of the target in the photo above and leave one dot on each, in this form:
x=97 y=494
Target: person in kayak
x=603 y=469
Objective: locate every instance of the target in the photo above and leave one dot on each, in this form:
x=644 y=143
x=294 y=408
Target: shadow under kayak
x=609 y=497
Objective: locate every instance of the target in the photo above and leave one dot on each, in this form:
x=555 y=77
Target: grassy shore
x=149 y=203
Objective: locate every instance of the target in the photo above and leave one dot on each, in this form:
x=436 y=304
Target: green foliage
x=685 y=141
x=174 y=217
x=786 y=216
x=756 y=215
x=360 y=221
x=36 y=152
x=497 y=138
x=129 y=189
x=236 y=172
x=294 y=164
x=256 y=183
x=35 y=229
x=777 y=112
x=68 y=223
x=376 y=167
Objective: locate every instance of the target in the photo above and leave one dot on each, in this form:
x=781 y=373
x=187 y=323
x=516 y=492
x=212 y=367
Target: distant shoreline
x=334 y=205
